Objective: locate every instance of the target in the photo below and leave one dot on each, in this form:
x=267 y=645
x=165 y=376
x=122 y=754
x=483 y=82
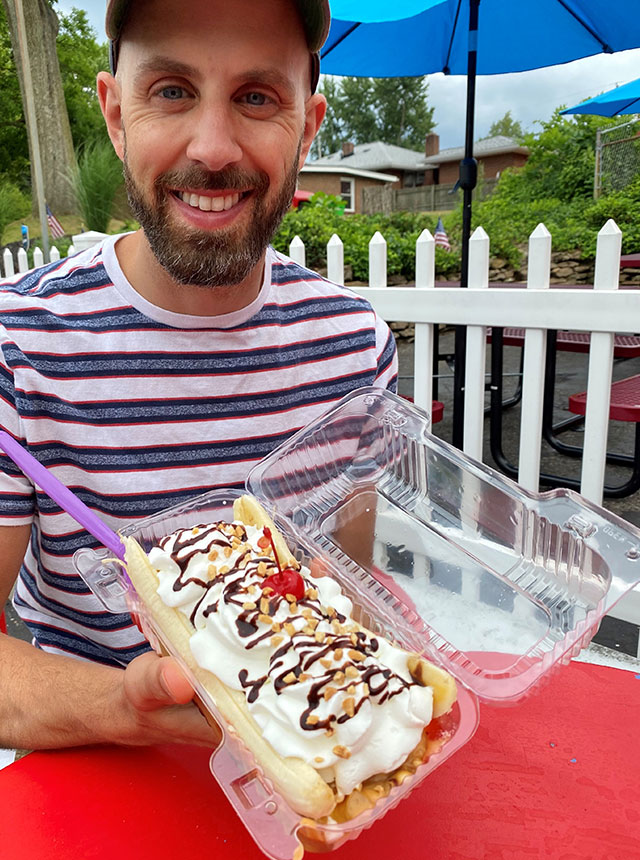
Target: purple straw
x=56 y=490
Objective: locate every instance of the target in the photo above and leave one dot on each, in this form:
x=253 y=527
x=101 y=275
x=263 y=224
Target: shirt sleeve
x=17 y=496
x=387 y=357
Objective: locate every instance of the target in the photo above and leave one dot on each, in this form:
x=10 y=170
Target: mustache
x=231 y=178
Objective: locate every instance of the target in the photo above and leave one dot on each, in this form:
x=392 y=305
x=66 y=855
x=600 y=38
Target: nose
x=213 y=141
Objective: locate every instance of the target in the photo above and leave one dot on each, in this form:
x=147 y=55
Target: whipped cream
x=319 y=686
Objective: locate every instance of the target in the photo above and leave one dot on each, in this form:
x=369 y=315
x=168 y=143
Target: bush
x=13 y=204
x=316 y=222
x=95 y=182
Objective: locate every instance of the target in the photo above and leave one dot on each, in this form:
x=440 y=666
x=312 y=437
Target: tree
x=56 y=146
x=14 y=148
x=506 y=126
x=393 y=110
x=81 y=57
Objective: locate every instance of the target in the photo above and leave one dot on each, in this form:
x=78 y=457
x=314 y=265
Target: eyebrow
x=166 y=65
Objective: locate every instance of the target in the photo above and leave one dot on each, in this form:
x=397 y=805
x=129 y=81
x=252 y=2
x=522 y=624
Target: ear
x=110 y=98
x=314 y=111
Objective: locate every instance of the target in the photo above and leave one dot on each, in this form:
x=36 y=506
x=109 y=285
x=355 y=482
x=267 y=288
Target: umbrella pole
x=467 y=181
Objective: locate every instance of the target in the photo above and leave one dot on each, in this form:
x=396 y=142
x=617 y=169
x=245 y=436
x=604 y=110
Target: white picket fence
x=8 y=266
x=603 y=311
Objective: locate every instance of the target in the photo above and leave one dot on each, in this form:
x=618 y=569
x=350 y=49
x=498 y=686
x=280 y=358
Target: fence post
x=335 y=260
x=596 y=425
x=296 y=250
x=71 y=250
x=423 y=345
x=7 y=259
x=378 y=260
x=476 y=351
x=38 y=258
x=54 y=254
x=23 y=264
x=535 y=343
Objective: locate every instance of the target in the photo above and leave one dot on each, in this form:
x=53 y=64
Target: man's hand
x=159 y=697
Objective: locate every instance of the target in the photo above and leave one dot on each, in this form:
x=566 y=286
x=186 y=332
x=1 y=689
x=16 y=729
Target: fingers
x=152 y=682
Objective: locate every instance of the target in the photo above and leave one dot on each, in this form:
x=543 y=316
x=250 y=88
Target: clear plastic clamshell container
x=438 y=553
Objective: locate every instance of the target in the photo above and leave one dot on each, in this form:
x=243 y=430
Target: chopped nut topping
x=289 y=678
x=324 y=662
x=351 y=690
x=213 y=555
x=356 y=655
x=267 y=588
x=303 y=676
x=249 y=605
x=242 y=563
x=320 y=636
x=266 y=619
x=306 y=613
x=331 y=612
x=276 y=626
x=341 y=751
x=351 y=672
x=365 y=689
x=290 y=598
x=251 y=589
x=224 y=569
x=308 y=630
x=318 y=758
x=311 y=593
x=349 y=704
x=337 y=654
x=289 y=628
x=195 y=530
x=329 y=692
x=313 y=623
x=354 y=639
x=293 y=607
x=312 y=719
x=227 y=551
x=276 y=640
x=240 y=531
x=264 y=605
x=262 y=567
x=330 y=732
x=212 y=570
x=339 y=676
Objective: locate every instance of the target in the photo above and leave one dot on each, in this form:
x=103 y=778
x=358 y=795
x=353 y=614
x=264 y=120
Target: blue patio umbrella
x=621 y=100
x=471 y=37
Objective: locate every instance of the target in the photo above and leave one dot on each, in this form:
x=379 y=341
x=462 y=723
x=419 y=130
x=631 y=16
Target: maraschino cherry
x=287 y=581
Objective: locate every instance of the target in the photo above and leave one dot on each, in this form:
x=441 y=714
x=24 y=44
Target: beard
x=216 y=258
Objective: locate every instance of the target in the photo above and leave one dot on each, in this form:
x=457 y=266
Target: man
x=168 y=361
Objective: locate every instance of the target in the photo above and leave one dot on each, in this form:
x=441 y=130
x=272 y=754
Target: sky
x=530 y=96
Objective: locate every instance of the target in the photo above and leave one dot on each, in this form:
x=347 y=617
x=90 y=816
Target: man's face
x=212 y=116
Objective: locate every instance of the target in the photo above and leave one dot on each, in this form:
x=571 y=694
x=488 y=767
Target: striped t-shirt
x=136 y=408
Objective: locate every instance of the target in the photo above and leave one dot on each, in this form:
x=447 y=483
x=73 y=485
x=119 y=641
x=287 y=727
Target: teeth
x=208 y=204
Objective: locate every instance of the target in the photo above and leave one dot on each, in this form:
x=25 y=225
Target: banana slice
x=300 y=784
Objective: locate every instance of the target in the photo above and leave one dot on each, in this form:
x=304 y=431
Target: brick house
x=495 y=154
x=341 y=180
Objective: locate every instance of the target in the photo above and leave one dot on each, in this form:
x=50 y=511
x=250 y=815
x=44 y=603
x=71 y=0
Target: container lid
x=497 y=583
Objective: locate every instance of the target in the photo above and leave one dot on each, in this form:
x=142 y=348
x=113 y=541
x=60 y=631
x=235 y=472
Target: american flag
x=55 y=227
x=440 y=236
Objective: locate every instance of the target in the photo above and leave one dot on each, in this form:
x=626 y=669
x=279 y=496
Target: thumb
x=152 y=682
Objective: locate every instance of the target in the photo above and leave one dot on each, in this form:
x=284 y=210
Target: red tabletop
x=554 y=777
x=624 y=345
x=624 y=404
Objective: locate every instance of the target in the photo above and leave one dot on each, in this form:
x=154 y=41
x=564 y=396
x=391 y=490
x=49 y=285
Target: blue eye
x=172 y=93
x=256 y=99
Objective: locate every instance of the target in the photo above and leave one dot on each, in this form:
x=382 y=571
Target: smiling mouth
x=207 y=203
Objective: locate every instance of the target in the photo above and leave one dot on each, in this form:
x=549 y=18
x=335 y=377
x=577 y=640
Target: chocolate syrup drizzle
x=371 y=681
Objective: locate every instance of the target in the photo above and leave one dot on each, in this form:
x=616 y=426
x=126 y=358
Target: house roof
x=490 y=146
x=347 y=170
x=376 y=156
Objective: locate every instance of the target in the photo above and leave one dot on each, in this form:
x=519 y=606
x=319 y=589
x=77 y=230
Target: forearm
x=49 y=701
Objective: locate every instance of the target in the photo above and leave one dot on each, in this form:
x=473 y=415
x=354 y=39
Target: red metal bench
x=624 y=406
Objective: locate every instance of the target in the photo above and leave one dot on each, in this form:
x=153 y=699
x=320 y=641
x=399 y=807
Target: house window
x=347 y=193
